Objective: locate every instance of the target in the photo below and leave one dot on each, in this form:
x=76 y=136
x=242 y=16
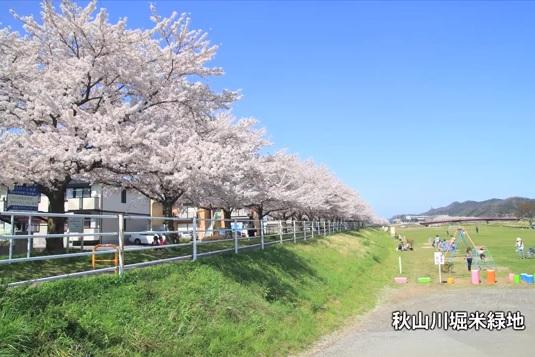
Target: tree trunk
x=56 y=225
x=257 y=217
x=227 y=214
x=170 y=224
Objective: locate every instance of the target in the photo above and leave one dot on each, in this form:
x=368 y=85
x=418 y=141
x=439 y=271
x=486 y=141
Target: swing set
x=481 y=257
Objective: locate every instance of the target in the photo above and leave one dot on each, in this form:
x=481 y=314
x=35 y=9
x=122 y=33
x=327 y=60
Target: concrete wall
x=136 y=203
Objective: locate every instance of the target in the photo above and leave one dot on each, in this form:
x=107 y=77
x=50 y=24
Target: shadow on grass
x=268 y=269
x=358 y=234
x=274 y=269
x=19 y=271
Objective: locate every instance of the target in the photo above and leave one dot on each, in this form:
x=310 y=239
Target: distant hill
x=492 y=207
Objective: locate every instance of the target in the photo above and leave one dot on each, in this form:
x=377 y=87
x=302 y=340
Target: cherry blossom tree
x=75 y=76
x=238 y=143
x=180 y=157
x=84 y=97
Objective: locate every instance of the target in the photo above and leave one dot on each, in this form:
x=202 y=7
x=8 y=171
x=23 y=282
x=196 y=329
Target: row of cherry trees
x=82 y=97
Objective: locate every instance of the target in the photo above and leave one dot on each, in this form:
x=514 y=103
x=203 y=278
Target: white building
x=99 y=199
x=83 y=198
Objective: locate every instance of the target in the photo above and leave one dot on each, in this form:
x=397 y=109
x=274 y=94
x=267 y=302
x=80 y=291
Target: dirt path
x=373 y=335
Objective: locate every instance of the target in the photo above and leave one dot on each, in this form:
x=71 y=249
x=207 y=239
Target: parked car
x=146 y=238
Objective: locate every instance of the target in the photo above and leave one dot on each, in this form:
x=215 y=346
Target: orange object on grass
x=491 y=276
x=114 y=251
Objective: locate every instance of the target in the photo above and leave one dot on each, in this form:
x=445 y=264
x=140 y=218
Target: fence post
x=235 y=234
x=280 y=231
x=82 y=239
x=194 y=239
x=295 y=238
x=312 y=229
x=29 y=231
x=12 y=234
x=304 y=230
x=262 y=233
x=121 y=244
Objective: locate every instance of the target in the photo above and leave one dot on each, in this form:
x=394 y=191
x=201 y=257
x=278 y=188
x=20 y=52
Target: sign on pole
x=23 y=198
x=439 y=260
x=76 y=224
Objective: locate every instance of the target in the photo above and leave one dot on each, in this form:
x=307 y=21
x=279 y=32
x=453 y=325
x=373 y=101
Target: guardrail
x=186 y=241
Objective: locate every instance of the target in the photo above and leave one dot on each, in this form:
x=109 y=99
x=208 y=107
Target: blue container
x=529 y=279
x=523 y=277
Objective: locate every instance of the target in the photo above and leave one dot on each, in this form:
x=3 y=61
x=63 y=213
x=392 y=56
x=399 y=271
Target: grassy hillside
x=261 y=303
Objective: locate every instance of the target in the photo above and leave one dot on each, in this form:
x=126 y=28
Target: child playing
x=468 y=258
x=481 y=253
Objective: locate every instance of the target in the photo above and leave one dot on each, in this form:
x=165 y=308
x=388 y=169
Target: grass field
x=498 y=239
x=270 y=302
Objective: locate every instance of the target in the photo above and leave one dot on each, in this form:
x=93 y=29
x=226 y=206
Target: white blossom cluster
x=82 y=97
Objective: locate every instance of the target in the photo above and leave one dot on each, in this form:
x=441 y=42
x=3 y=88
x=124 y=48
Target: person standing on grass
x=436 y=241
x=477 y=229
x=520 y=247
x=468 y=258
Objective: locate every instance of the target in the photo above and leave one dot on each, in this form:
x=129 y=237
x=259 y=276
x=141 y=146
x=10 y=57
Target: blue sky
x=414 y=104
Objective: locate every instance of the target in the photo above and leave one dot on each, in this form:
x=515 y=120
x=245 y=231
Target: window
x=87 y=222
x=81 y=192
x=123 y=196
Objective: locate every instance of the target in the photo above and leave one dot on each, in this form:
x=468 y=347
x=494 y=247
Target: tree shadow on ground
x=357 y=234
x=19 y=271
x=269 y=269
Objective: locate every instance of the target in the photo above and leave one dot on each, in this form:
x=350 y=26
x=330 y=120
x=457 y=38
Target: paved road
x=373 y=334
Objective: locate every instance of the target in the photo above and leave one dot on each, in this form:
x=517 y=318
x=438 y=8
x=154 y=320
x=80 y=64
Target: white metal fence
x=190 y=239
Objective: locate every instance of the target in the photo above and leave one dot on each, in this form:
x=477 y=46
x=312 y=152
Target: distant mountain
x=493 y=207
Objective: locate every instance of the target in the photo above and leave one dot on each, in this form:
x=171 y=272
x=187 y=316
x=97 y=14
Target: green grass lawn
x=498 y=239
x=271 y=302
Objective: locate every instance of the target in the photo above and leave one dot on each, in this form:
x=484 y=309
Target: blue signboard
x=23 y=198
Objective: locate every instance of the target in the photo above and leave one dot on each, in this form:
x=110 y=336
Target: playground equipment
x=400 y=280
x=475 y=277
x=481 y=260
x=424 y=279
x=115 y=260
x=517 y=279
x=529 y=279
x=491 y=276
